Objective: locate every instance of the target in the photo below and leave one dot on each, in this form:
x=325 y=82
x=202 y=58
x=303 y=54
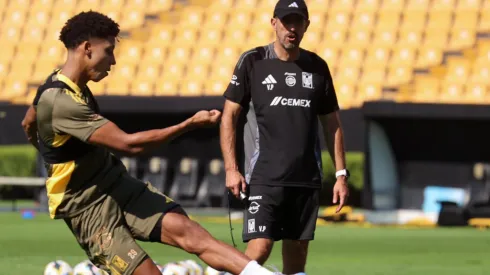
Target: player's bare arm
x=30 y=127
x=234 y=180
x=334 y=139
x=111 y=136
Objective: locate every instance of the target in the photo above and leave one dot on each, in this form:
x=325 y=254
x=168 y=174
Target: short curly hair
x=86 y=25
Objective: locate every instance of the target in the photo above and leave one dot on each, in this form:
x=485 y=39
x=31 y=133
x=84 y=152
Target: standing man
x=89 y=188
x=283 y=90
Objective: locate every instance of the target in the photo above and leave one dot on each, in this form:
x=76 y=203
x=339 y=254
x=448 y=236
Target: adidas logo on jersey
x=293 y=5
x=305 y=103
x=269 y=81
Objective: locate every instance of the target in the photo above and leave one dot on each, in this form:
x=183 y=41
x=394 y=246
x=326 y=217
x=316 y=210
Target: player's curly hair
x=85 y=25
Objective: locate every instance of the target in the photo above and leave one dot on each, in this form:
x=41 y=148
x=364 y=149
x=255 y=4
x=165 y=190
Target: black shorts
x=277 y=212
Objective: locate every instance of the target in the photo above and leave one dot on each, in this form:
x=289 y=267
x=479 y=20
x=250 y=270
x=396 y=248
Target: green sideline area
x=27 y=245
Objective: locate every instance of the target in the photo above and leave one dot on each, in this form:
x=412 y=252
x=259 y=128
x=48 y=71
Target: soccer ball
x=211 y=271
x=86 y=268
x=175 y=269
x=193 y=266
x=58 y=267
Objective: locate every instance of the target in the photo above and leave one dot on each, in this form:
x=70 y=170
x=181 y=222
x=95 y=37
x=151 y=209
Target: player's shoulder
x=252 y=55
x=313 y=57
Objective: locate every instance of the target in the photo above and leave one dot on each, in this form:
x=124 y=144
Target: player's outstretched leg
x=147 y=267
x=180 y=231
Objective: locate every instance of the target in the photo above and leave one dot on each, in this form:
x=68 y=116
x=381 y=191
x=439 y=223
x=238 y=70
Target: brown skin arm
x=111 y=136
x=29 y=124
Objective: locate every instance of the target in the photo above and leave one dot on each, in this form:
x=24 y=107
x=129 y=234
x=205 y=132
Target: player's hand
x=235 y=182
x=206 y=118
x=340 y=192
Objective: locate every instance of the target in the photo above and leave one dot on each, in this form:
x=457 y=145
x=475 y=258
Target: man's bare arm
x=29 y=124
x=334 y=138
x=231 y=112
x=111 y=136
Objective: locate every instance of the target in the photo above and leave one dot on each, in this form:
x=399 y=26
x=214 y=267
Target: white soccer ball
x=211 y=271
x=175 y=269
x=193 y=267
x=86 y=268
x=58 y=267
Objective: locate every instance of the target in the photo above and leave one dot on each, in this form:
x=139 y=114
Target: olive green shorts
x=108 y=230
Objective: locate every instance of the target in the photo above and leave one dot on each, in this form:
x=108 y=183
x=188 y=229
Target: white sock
x=253 y=268
x=301 y=273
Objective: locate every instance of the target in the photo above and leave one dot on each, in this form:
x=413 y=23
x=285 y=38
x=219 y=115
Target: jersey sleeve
x=72 y=116
x=328 y=99
x=238 y=89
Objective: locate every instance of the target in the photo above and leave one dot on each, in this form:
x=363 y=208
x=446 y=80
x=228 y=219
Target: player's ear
x=273 y=22
x=87 y=48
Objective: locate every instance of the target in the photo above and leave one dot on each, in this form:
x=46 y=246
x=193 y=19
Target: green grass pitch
x=27 y=245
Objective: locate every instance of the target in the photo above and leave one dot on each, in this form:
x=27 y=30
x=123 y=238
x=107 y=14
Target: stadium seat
x=191 y=87
x=342 y=5
x=367 y=6
x=413 y=20
x=136 y=5
x=417 y=5
x=451 y=92
x=377 y=57
x=13 y=87
x=143 y=87
x=248 y=5
x=428 y=56
x=166 y=87
x=426 y=89
x=186 y=182
x=212 y=192
x=443 y=5
x=461 y=39
x=159 y=5
x=338 y=21
x=398 y=75
x=215 y=87
x=156 y=170
x=86 y=5
x=468 y=5
x=458 y=70
x=484 y=22
x=388 y=21
x=410 y=38
x=363 y=21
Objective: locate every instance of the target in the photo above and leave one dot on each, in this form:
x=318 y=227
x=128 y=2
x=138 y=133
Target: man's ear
x=273 y=22
x=87 y=48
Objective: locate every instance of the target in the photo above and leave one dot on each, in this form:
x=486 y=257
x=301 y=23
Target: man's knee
x=259 y=249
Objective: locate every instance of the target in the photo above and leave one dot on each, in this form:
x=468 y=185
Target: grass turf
x=27 y=245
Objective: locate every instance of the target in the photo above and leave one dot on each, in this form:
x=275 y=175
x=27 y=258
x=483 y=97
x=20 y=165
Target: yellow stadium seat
x=270 y=4
x=215 y=19
x=402 y=56
x=363 y=21
x=130 y=52
x=367 y=5
x=417 y=5
x=338 y=21
x=311 y=39
x=97 y=88
x=346 y=74
x=428 y=56
x=197 y=71
x=186 y=36
x=215 y=87
x=211 y=37
x=480 y=73
x=370 y=92
x=179 y=55
x=222 y=5
x=142 y=88
x=118 y=86
x=470 y=5
x=435 y=38
x=246 y=4
x=132 y=19
x=40 y=5
x=484 y=22
x=8 y=51
x=413 y=20
x=86 y=5
x=159 y=5
x=227 y=54
x=204 y=55
x=466 y=20
x=112 y=5
x=342 y=5
x=16 y=18
x=52 y=50
x=4 y=68
x=42 y=69
x=451 y=92
x=64 y=5
x=38 y=19
x=173 y=70
x=162 y=34
x=191 y=87
x=329 y=54
x=261 y=37
x=427 y=89
x=462 y=38
x=392 y=5
x=148 y=71
x=443 y=5
x=458 y=70
x=384 y=38
x=351 y=56
x=235 y=37
x=167 y=87
x=58 y=19
x=122 y=71
x=222 y=70
x=17 y=5
x=377 y=57
x=11 y=34
x=441 y=20
x=191 y=16
x=359 y=37
x=399 y=75
x=154 y=54
x=483 y=52
x=317 y=20
x=139 y=5
x=13 y=87
x=33 y=35
x=477 y=93
x=240 y=19
x=373 y=76
x=410 y=38
x=388 y=21
x=27 y=51
x=335 y=38
x=346 y=94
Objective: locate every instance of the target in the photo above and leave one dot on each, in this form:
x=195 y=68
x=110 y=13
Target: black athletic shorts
x=277 y=212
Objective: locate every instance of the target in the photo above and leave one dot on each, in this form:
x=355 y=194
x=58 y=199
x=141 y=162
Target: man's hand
x=340 y=191
x=235 y=182
x=206 y=118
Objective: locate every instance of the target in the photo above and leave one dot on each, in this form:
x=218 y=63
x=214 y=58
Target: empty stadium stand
x=403 y=50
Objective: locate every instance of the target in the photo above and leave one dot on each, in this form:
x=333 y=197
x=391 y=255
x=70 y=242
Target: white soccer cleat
x=58 y=267
x=211 y=271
